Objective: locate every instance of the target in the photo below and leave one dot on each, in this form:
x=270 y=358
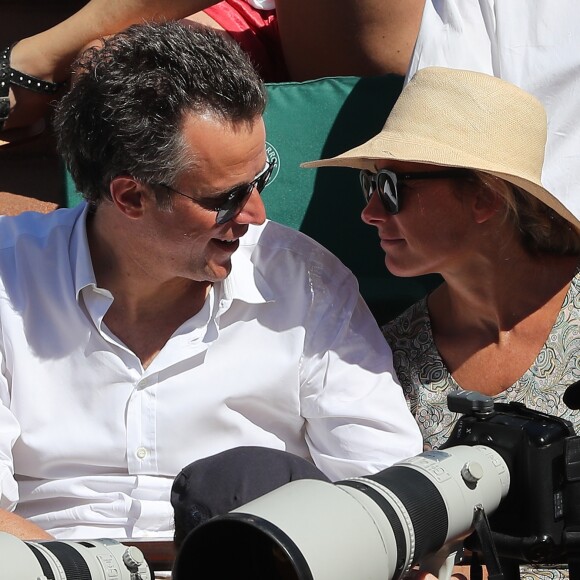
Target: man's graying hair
x=124 y=112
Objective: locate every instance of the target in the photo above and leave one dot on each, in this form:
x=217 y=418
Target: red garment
x=257 y=33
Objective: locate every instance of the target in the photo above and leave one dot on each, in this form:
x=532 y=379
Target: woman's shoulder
x=416 y=358
x=569 y=314
x=575 y=285
x=411 y=323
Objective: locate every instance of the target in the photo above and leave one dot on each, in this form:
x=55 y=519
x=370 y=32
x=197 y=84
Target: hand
x=422 y=575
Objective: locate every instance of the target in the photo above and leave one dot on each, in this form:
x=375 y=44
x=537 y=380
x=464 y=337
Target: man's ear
x=128 y=196
x=486 y=204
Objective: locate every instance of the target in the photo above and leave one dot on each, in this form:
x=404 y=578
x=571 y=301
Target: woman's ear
x=486 y=204
x=128 y=196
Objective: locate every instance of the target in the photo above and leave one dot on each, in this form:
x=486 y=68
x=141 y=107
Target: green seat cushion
x=322 y=118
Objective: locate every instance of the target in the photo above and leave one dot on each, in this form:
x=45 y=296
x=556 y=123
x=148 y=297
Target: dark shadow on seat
x=323 y=118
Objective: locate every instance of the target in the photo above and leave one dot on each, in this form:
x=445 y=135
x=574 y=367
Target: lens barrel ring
x=424 y=504
x=73 y=564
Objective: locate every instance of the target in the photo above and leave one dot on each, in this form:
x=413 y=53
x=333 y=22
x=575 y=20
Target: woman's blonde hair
x=541 y=228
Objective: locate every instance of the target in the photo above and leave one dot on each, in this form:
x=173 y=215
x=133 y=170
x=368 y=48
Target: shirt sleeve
x=357 y=419
x=9 y=433
x=456 y=34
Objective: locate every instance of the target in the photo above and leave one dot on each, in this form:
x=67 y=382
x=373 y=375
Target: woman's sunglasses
x=236 y=197
x=385 y=182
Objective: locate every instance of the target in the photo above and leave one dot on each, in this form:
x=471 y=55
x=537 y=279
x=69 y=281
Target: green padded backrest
x=321 y=118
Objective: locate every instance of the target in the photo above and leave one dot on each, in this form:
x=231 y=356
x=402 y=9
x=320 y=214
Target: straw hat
x=459 y=118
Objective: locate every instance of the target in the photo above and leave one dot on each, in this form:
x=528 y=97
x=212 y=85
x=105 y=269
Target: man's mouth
x=228 y=244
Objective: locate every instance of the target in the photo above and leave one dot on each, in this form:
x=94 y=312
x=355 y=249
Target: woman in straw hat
x=457 y=171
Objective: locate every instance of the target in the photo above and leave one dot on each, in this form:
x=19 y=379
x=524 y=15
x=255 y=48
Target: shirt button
x=141 y=452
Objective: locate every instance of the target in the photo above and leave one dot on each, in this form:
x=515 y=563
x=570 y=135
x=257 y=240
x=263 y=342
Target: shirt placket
x=141 y=426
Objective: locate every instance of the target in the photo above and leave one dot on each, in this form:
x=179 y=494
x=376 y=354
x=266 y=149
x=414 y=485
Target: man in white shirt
x=166 y=319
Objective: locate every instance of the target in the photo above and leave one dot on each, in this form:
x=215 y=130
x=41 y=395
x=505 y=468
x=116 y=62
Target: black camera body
x=539 y=520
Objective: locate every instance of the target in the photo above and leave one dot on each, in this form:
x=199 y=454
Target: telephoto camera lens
x=373 y=527
x=81 y=560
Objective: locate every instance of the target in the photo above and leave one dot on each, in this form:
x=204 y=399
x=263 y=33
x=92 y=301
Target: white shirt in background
x=532 y=44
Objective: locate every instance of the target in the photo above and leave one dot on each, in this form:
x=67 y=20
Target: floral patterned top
x=427 y=381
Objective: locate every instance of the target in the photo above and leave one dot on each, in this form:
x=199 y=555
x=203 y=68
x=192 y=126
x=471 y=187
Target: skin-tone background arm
x=21 y=528
x=350 y=37
x=363 y=37
x=50 y=53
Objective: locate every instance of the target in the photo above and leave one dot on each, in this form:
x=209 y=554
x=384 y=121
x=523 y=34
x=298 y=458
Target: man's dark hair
x=124 y=113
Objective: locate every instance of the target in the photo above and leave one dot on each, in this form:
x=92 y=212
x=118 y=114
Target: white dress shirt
x=283 y=354
x=532 y=44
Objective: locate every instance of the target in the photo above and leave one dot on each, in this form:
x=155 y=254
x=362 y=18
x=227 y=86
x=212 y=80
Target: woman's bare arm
x=350 y=37
x=50 y=53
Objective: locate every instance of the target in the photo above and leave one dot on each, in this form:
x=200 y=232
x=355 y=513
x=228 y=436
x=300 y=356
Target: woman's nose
x=374 y=212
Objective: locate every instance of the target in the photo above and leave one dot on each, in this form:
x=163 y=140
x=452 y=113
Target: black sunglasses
x=236 y=197
x=385 y=182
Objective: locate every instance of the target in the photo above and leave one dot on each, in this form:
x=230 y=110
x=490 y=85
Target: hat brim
x=380 y=148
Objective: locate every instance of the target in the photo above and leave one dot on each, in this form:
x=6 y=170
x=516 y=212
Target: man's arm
x=50 y=53
x=358 y=421
x=9 y=433
x=381 y=35
x=21 y=528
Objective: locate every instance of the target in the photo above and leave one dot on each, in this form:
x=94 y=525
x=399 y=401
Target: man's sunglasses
x=385 y=182
x=235 y=198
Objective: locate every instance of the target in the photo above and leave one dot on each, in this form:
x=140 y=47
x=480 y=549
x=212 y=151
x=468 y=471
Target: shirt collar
x=79 y=254
x=246 y=281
